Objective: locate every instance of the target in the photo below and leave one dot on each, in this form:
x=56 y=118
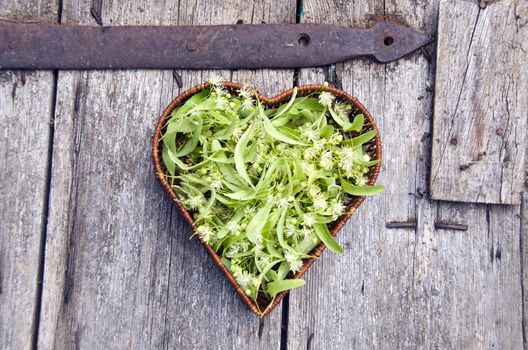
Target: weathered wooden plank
x=406 y=288
x=363 y=298
x=120 y=269
x=467 y=289
x=480 y=102
x=25 y=116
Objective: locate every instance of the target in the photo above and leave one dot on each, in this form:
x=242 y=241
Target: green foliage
x=262 y=184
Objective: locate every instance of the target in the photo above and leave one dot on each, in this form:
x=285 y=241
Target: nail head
x=12 y=44
x=191 y=46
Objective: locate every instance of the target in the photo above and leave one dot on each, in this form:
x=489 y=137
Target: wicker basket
x=373 y=148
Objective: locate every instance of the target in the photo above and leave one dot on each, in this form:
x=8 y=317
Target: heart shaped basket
x=373 y=149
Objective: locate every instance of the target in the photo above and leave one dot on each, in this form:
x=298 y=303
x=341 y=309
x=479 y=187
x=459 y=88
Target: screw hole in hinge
x=304 y=39
x=388 y=41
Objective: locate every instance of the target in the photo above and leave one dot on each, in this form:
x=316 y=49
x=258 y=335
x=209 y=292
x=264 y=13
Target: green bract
x=262 y=184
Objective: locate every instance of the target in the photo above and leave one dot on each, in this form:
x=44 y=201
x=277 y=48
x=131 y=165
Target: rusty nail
x=13 y=44
x=177 y=78
x=449 y=226
x=234 y=42
x=482 y=5
x=499 y=132
x=453 y=141
x=191 y=46
x=96 y=16
x=95 y=10
x=395 y=224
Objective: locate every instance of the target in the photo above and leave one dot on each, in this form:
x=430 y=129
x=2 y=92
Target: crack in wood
x=459 y=93
x=309 y=342
x=523 y=262
x=45 y=212
x=261 y=328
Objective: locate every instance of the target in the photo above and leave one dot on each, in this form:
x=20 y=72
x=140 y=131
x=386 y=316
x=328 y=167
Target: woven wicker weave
x=373 y=148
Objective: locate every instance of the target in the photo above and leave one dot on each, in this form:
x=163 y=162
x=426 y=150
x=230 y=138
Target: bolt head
x=12 y=44
x=191 y=46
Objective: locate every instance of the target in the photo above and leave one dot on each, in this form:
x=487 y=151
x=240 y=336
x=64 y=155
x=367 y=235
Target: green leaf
x=244 y=195
x=269 y=175
x=324 y=235
x=191 y=144
x=215 y=145
x=280 y=121
x=220 y=157
x=274 y=288
x=256 y=224
x=363 y=138
x=240 y=149
x=370 y=163
x=189 y=104
x=360 y=190
x=271 y=249
x=226 y=201
x=180 y=126
x=175 y=160
x=226 y=133
x=281 y=110
x=326 y=131
x=283 y=270
x=344 y=123
x=308 y=103
x=271 y=275
x=276 y=134
x=169 y=164
x=308 y=116
x=268 y=267
x=229 y=174
x=273 y=218
x=280 y=232
x=306 y=245
x=357 y=124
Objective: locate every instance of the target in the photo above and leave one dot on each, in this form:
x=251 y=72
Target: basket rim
x=280 y=98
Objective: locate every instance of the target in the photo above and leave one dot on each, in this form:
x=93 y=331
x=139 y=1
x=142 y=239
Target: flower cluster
x=262 y=184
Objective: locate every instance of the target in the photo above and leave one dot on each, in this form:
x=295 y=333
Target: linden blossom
x=262 y=183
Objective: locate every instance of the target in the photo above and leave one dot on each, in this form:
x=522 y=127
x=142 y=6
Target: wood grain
x=407 y=288
x=480 y=102
x=120 y=269
x=25 y=117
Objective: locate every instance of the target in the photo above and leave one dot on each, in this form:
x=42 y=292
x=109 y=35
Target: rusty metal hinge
x=39 y=46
